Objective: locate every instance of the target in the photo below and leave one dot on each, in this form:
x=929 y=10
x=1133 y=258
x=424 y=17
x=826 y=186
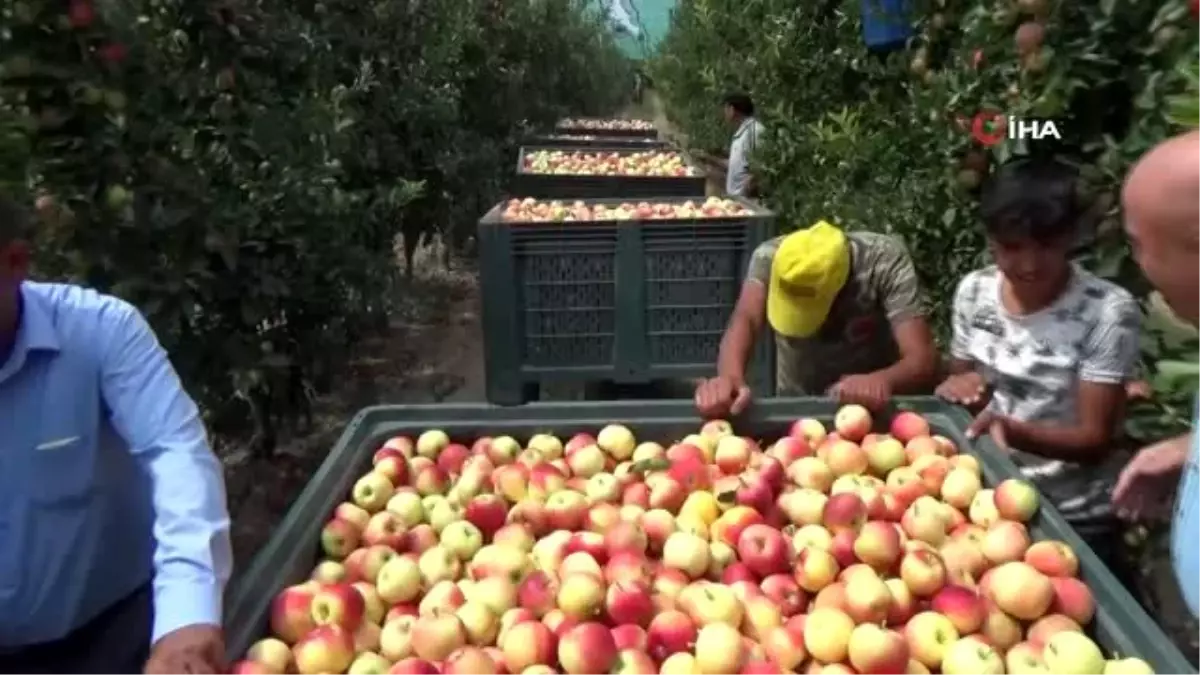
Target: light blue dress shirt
x=1185 y=530
x=107 y=479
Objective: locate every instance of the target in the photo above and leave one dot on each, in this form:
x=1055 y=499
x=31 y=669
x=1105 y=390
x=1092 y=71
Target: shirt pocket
x=60 y=471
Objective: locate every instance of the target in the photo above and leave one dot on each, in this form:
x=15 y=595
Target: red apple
x=764 y=550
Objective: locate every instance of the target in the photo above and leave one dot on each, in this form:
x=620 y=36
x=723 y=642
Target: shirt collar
x=743 y=127
x=36 y=332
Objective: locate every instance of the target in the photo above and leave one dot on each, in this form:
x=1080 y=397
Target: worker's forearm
x=1069 y=443
x=910 y=375
x=735 y=350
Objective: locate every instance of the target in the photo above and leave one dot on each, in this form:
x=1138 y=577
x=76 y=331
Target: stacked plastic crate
x=608 y=263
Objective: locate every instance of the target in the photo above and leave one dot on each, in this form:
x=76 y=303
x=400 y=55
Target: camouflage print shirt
x=857 y=336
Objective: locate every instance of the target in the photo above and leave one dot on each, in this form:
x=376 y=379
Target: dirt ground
x=432 y=352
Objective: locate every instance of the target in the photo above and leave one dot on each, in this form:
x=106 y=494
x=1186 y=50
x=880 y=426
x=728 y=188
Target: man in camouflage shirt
x=1044 y=349
x=848 y=315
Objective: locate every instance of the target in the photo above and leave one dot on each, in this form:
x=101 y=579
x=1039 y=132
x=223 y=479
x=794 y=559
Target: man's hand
x=191 y=649
x=1146 y=483
x=965 y=389
x=722 y=396
x=870 y=390
x=996 y=426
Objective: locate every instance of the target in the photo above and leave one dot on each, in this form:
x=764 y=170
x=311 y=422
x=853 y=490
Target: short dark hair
x=740 y=102
x=1032 y=198
x=14 y=220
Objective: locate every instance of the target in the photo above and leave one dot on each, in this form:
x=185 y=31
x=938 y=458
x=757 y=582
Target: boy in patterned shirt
x=848 y=317
x=1045 y=349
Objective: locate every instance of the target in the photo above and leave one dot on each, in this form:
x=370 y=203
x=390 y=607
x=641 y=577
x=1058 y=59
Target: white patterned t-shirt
x=1034 y=364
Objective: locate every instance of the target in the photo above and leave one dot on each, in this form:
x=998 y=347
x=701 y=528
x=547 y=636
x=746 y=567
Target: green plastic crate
x=563 y=128
x=570 y=186
x=595 y=140
x=622 y=301
x=1121 y=625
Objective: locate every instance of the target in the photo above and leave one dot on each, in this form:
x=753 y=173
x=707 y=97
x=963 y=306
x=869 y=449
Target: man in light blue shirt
x=114 y=533
x=1162 y=217
x=739 y=113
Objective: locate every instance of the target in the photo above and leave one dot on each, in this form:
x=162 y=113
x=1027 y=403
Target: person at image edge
x=1162 y=217
x=847 y=315
x=114 y=533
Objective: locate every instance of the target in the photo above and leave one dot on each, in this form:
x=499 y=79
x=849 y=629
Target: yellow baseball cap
x=809 y=269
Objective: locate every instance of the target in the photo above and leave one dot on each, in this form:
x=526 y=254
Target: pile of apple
x=584 y=138
x=606 y=125
x=836 y=552
x=533 y=210
x=589 y=163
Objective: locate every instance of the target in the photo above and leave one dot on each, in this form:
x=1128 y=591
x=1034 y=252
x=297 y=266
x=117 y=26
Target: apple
x=407 y=504
x=1020 y=590
x=1005 y=541
x=929 y=636
x=462 y=538
x=960 y=487
x=329 y=572
x=878 y=545
x=815 y=569
x=401 y=445
x=399 y=580
x=498 y=593
x=1040 y=631
x=760 y=615
x=923 y=572
x=925 y=520
x=970 y=656
x=580 y=562
x=868 y=599
x=547 y=444
x=763 y=549
x=527 y=643
x=587 y=461
x=904 y=604
x=488 y=513
x=785 y=648
x=789 y=449
x=964 y=607
x=443 y=595
x=803 y=506
x=907 y=425
x=469 y=660
x=1052 y=558
x=338 y=604
x=787 y=595
x=581 y=596
x=983 y=511
x=884 y=456
x=1074 y=599
x=324 y=649
x=587 y=648
x=1016 y=499
x=1025 y=658
x=687 y=553
x=565 y=510
x=732 y=455
x=291 y=613
x=846 y=458
x=873 y=649
x=481 y=624
x=814 y=536
x=827 y=634
x=414 y=666
x=436 y=635
x=617 y=440
x=439 y=564
x=369 y=663
x=273 y=653
x=430 y=480
x=338 y=538
x=420 y=539
x=386 y=529
x=352 y=513
x=395 y=640
x=809 y=429
x=682 y=663
x=852 y=422
x=1001 y=630
x=1073 y=653
x=719 y=649
x=372 y=492
x=629 y=602
x=670 y=632
x=711 y=603
x=845 y=511
x=629 y=636
x=1127 y=667
x=811 y=472
x=431 y=443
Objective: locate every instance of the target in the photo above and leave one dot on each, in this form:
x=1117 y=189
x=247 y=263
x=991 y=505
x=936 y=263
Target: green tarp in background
x=639 y=24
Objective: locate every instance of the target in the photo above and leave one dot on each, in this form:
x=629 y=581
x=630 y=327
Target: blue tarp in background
x=638 y=24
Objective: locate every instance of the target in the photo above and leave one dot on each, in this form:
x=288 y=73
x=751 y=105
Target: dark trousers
x=116 y=641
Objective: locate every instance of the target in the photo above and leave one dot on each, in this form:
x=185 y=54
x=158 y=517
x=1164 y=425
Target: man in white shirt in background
x=739 y=113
